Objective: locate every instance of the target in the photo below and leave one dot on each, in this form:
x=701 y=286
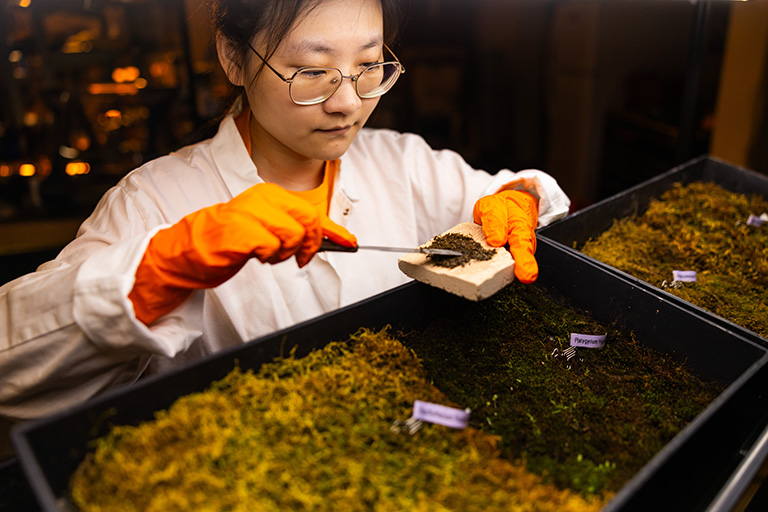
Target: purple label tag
x=588 y=340
x=687 y=276
x=440 y=414
x=755 y=221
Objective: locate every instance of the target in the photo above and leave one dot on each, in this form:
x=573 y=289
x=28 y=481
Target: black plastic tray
x=573 y=231
x=15 y=494
x=688 y=473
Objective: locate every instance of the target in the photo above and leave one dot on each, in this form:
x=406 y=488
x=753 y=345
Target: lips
x=337 y=130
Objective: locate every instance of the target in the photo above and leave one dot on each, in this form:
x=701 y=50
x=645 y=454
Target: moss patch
x=587 y=424
x=699 y=227
x=310 y=434
x=548 y=432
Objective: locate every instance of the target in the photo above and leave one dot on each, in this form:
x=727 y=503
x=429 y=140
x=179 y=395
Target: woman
x=217 y=244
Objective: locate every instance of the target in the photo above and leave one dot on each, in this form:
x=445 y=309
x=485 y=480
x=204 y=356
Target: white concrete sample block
x=475 y=280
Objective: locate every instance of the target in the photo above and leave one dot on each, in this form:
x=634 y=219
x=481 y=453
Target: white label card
x=755 y=221
x=588 y=340
x=687 y=276
x=440 y=414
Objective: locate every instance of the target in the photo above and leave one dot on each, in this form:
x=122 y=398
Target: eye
x=312 y=73
x=366 y=65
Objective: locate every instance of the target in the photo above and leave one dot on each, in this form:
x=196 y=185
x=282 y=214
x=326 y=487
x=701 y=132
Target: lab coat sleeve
x=68 y=330
x=553 y=202
x=449 y=187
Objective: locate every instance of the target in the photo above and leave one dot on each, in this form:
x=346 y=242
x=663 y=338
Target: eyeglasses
x=312 y=85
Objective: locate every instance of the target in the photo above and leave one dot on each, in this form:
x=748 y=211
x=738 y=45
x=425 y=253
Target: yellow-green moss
x=700 y=227
x=311 y=434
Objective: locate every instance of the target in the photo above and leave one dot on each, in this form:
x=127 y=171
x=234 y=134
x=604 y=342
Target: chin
x=335 y=151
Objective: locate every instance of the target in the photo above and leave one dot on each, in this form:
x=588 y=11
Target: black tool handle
x=328 y=245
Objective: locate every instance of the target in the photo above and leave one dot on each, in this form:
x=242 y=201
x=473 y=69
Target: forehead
x=336 y=26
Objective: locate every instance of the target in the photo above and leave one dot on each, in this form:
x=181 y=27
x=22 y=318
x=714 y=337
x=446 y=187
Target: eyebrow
x=319 y=46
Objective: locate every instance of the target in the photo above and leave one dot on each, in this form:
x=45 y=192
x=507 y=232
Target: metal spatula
x=328 y=245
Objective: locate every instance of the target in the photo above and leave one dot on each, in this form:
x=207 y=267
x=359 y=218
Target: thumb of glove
x=510 y=217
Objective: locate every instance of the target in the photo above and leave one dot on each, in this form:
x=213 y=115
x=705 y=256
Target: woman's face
x=343 y=34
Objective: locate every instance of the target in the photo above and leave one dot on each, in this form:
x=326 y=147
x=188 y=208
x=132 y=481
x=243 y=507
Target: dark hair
x=240 y=20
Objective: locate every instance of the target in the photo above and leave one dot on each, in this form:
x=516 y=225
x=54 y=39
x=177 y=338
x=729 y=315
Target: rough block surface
x=476 y=280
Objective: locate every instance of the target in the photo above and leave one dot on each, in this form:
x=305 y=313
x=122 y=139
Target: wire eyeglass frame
x=379 y=90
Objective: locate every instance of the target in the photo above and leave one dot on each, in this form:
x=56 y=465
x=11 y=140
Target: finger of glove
x=337 y=233
x=297 y=234
x=224 y=238
x=491 y=213
x=529 y=204
x=318 y=224
x=227 y=236
x=330 y=230
x=311 y=221
x=526 y=267
x=522 y=244
x=296 y=222
x=522 y=211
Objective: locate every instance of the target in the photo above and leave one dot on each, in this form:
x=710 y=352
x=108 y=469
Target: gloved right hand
x=510 y=217
x=209 y=246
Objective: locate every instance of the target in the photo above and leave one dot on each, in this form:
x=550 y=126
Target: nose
x=345 y=100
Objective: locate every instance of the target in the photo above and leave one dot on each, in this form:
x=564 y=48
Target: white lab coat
x=68 y=330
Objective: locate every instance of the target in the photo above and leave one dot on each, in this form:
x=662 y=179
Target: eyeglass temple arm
x=402 y=68
x=288 y=80
x=280 y=75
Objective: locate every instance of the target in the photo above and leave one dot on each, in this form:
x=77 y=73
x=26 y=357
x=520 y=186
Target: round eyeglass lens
x=377 y=79
x=313 y=85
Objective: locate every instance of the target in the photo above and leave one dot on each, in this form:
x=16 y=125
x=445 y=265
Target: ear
x=229 y=64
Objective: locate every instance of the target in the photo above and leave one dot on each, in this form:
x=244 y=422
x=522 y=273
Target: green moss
x=311 y=434
x=588 y=424
x=699 y=227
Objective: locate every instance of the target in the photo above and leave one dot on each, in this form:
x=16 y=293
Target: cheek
x=264 y=95
x=368 y=107
x=274 y=108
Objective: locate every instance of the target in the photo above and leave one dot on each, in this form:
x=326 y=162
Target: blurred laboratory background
x=602 y=94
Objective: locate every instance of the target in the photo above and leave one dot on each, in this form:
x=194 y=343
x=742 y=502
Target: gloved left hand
x=510 y=217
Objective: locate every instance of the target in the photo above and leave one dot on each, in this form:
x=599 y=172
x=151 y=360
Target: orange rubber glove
x=209 y=246
x=510 y=217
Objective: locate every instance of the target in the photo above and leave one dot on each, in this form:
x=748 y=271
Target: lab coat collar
x=346 y=181
x=232 y=159
x=239 y=172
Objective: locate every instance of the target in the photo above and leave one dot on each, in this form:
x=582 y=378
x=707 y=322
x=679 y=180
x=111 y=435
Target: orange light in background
x=159 y=68
x=80 y=42
x=140 y=83
x=45 y=166
x=25 y=3
x=110 y=120
x=126 y=74
x=27 y=170
x=31 y=118
x=77 y=47
x=112 y=89
x=5 y=171
x=82 y=142
x=76 y=168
